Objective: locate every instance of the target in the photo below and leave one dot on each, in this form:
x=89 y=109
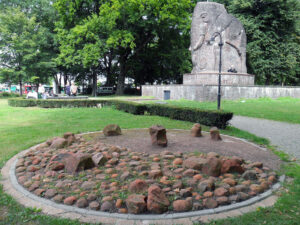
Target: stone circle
x=110 y=178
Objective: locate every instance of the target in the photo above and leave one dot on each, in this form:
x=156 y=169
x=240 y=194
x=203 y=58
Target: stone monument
x=210 y=18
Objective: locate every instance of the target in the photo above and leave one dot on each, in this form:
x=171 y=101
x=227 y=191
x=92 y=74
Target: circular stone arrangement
x=82 y=171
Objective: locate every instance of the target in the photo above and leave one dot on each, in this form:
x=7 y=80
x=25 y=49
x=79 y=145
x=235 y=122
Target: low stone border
x=24 y=197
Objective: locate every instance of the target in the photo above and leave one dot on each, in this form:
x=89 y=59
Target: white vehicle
x=105 y=90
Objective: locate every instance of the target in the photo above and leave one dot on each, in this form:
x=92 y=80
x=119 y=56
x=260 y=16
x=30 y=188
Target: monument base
x=212 y=78
x=210 y=92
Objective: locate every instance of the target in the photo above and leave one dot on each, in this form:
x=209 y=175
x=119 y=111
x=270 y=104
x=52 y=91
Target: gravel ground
x=283 y=135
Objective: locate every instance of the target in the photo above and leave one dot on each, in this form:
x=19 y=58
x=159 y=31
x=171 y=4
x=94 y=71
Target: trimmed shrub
x=72 y=103
x=206 y=117
x=8 y=95
x=130 y=107
x=21 y=102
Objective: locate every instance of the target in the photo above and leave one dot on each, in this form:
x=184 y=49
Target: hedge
x=130 y=107
x=206 y=117
x=8 y=95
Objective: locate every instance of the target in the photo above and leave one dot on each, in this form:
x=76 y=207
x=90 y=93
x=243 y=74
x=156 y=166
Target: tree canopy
x=146 y=40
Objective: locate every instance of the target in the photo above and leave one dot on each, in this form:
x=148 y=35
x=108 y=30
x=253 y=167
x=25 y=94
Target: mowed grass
x=21 y=128
x=281 y=109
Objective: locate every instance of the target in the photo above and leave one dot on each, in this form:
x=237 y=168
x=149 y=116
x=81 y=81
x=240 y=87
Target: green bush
x=8 y=95
x=72 y=103
x=206 y=117
x=129 y=107
x=21 y=102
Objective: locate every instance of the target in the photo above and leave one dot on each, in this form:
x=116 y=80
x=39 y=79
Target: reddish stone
x=190 y=172
x=177 y=162
x=182 y=205
x=256 y=188
x=222 y=200
x=206 y=185
x=210 y=203
x=50 y=193
x=196 y=130
x=221 y=192
x=230 y=181
x=106 y=206
x=197 y=177
x=74 y=162
x=70 y=200
x=32 y=168
x=94 y=205
x=82 y=203
x=195 y=163
x=58 y=143
x=272 y=179
x=138 y=186
x=39 y=192
x=154 y=174
x=158 y=135
x=123 y=210
x=56 y=166
x=36 y=161
x=256 y=164
x=232 y=166
x=119 y=203
x=212 y=167
x=208 y=194
x=157 y=201
x=136 y=204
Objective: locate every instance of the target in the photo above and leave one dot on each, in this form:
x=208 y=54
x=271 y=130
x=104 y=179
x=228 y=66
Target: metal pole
x=220 y=71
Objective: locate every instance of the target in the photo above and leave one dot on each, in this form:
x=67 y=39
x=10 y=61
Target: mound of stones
x=86 y=173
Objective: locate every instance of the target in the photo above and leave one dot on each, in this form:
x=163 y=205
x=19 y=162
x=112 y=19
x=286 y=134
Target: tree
x=123 y=30
x=20 y=41
x=272 y=27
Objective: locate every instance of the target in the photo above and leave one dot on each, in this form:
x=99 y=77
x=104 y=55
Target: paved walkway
x=285 y=136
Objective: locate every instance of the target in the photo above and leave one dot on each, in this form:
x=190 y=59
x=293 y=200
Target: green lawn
x=281 y=109
x=21 y=128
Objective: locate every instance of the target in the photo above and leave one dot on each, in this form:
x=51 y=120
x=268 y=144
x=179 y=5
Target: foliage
x=206 y=117
x=125 y=31
x=8 y=95
x=273 y=29
x=20 y=40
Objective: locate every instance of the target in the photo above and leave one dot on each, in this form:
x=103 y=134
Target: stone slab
x=210 y=92
x=213 y=79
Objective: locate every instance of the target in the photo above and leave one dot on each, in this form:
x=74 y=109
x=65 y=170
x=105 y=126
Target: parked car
x=105 y=90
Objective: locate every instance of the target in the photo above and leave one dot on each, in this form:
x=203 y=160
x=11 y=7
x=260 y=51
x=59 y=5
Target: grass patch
x=21 y=128
x=281 y=109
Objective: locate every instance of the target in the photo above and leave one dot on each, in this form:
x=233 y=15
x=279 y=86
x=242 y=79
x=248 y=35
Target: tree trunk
x=121 y=77
x=20 y=83
x=94 y=92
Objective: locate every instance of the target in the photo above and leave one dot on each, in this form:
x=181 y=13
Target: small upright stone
x=158 y=135
x=196 y=130
x=215 y=134
x=112 y=130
